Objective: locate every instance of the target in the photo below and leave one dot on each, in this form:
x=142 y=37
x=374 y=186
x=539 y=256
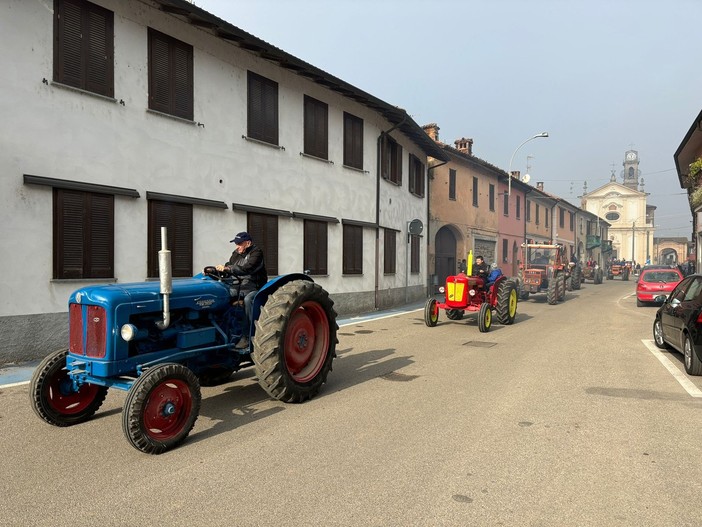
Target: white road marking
x=679 y=376
x=14 y=384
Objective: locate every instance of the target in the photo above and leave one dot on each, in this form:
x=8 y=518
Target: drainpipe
x=377 y=210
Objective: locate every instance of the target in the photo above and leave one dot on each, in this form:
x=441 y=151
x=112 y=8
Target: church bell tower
x=630 y=174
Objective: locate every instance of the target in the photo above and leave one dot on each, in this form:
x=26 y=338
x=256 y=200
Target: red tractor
x=545 y=270
x=471 y=294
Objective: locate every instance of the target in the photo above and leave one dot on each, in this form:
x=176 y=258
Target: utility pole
x=633 y=234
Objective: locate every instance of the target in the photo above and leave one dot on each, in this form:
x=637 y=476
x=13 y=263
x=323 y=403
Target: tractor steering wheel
x=213 y=273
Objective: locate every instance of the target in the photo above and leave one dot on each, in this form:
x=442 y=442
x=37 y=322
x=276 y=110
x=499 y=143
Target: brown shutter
x=100 y=258
x=99 y=53
x=68 y=234
x=159 y=81
x=178 y=219
x=262 y=110
x=263 y=228
x=68 y=48
x=183 y=80
x=353 y=141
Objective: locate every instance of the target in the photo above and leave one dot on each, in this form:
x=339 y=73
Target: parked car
x=654 y=285
x=652 y=266
x=678 y=323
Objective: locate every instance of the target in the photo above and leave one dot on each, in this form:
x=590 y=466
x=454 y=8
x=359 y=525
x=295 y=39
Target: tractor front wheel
x=431 y=313
x=295 y=341
x=561 y=287
x=161 y=408
x=484 y=317
x=54 y=398
x=552 y=292
x=506 y=303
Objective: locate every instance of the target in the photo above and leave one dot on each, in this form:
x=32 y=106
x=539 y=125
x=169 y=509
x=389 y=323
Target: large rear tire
x=561 y=287
x=484 y=317
x=506 y=303
x=295 y=341
x=431 y=313
x=576 y=277
x=55 y=400
x=161 y=408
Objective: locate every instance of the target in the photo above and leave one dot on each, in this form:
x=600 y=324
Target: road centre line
x=679 y=376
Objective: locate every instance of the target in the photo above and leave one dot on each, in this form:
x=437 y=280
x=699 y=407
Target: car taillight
x=95 y=335
x=699 y=318
x=75 y=329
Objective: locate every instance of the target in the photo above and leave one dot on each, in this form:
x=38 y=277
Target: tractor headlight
x=442 y=289
x=128 y=332
x=471 y=292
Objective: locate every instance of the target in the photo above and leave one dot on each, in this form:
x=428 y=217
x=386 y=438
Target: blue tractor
x=160 y=341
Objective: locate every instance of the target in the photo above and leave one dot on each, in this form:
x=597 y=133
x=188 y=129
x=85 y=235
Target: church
x=623 y=205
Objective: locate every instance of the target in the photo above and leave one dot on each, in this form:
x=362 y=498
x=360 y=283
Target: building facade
x=125 y=116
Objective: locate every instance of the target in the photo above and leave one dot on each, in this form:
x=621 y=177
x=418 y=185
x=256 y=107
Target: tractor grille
x=87 y=330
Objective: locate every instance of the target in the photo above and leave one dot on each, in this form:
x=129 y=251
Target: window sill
x=310 y=156
x=62 y=86
x=83 y=280
x=356 y=169
x=174 y=117
x=264 y=143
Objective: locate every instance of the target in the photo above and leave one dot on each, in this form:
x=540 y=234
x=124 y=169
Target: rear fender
x=268 y=289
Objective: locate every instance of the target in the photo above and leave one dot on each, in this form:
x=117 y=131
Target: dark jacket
x=481 y=270
x=250 y=267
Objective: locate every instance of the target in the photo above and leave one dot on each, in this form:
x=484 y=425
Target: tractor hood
x=189 y=293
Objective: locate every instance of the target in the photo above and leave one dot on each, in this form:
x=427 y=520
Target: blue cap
x=241 y=238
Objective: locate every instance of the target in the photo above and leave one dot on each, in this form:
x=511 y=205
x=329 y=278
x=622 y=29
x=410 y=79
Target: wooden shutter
x=389 y=251
x=262 y=114
x=170 y=75
x=84 y=46
x=352 y=249
x=315 y=247
x=414 y=253
x=353 y=141
x=100 y=258
x=178 y=219
x=316 y=128
x=263 y=228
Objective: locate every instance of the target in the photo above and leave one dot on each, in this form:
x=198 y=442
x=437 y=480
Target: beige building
x=624 y=207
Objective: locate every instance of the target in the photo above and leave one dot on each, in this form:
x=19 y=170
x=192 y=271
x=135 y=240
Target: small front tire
x=431 y=313
x=484 y=318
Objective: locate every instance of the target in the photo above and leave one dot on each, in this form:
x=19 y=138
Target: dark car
x=678 y=323
x=654 y=285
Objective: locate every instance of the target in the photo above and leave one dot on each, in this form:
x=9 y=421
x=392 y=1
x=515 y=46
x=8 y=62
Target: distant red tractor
x=545 y=270
x=471 y=294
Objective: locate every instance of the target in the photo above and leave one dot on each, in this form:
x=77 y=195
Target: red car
x=654 y=285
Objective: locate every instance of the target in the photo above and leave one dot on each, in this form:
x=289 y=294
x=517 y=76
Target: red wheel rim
x=306 y=341
x=64 y=399
x=167 y=409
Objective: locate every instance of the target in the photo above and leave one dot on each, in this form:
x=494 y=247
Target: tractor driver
x=480 y=268
x=246 y=263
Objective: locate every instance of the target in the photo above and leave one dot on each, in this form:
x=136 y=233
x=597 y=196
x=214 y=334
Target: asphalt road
x=565 y=418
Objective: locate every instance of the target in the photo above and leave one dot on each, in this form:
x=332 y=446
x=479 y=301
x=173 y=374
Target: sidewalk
x=18 y=374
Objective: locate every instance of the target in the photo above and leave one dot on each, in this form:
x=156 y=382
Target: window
x=519 y=207
x=414 y=253
x=390 y=251
x=475 y=191
x=262 y=109
x=561 y=217
x=537 y=213
x=353 y=249
x=505 y=248
x=571 y=220
x=416 y=176
x=491 y=194
x=353 y=141
x=83 y=234
x=505 y=204
x=170 y=75
x=315 y=247
x=547 y=213
x=527 y=208
x=391 y=160
x=263 y=228
x=84 y=46
x=612 y=216
x=316 y=128
x=452 y=184
x=178 y=219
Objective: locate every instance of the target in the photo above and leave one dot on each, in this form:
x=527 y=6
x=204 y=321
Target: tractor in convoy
x=592 y=273
x=464 y=293
x=544 y=270
x=160 y=341
x=621 y=269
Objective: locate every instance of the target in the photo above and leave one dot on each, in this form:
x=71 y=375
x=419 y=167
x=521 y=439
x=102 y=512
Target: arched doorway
x=446 y=264
x=668 y=257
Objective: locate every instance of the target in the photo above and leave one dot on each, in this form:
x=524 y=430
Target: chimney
x=464 y=145
x=540 y=185
x=515 y=174
x=432 y=130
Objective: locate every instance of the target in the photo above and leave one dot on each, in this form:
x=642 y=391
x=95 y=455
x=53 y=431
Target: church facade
x=624 y=206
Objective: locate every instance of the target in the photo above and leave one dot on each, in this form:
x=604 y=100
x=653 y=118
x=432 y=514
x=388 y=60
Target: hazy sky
x=600 y=76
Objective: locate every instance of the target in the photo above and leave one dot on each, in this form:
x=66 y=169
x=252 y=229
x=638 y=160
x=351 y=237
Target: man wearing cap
x=246 y=263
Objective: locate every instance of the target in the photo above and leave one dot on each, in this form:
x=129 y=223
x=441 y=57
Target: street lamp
x=509 y=183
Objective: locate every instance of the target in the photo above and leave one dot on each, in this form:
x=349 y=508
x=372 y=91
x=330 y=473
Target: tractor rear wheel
x=431 y=313
x=454 y=314
x=598 y=276
x=161 y=408
x=506 y=303
x=576 y=277
x=484 y=317
x=54 y=398
x=625 y=275
x=295 y=341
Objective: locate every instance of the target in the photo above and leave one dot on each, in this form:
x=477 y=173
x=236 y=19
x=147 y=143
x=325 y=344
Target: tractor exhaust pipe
x=164 y=276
